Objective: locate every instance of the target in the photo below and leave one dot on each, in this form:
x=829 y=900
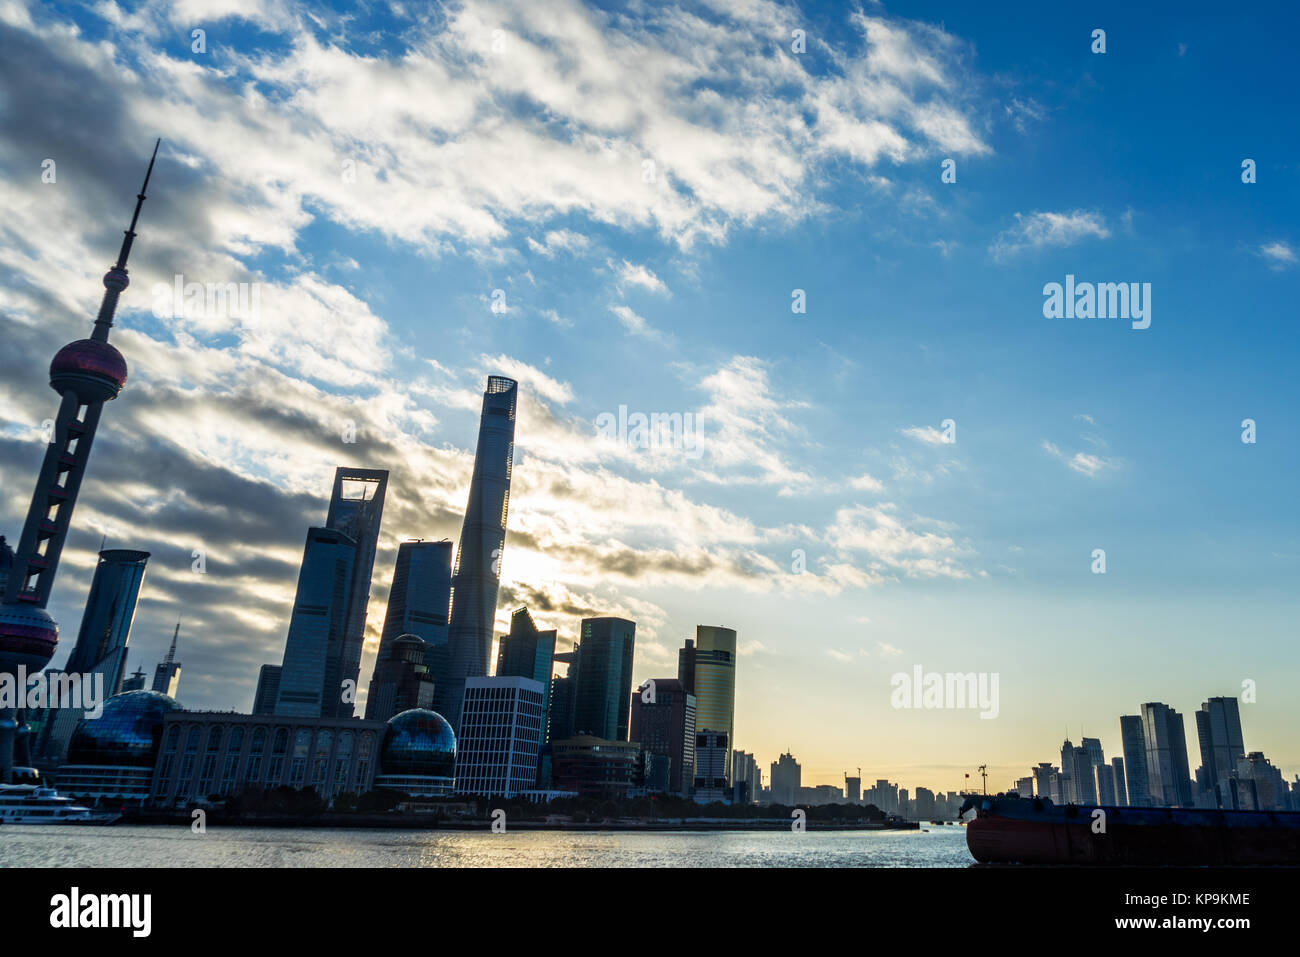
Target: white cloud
x=878 y=533
x=630 y=274
x=866 y=483
x=1082 y=462
x=925 y=433
x=1037 y=230
x=559 y=240
x=634 y=322
x=1279 y=255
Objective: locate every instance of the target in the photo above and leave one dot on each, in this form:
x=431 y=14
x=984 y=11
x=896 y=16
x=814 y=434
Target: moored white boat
x=36 y=804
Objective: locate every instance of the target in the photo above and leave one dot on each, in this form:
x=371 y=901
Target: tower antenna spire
x=116 y=279
x=129 y=238
x=171 y=652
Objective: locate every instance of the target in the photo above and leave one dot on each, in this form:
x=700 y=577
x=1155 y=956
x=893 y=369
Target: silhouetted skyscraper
x=402 y=680
x=1069 y=793
x=106 y=623
x=482 y=540
x=1121 y=788
x=1167 y=765
x=603 y=683
x=268 y=690
x=1135 y=760
x=356 y=509
x=319 y=617
x=323 y=650
x=785 y=779
x=167 y=676
x=1218 y=730
x=418 y=604
x=86 y=374
x=101 y=643
x=1084 y=777
x=527 y=652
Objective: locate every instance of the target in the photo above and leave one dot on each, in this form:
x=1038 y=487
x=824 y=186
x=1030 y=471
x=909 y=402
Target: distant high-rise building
x=883 y=796
x=1167 y=764
x=853 y=789
x=1218 y=729
x=1069 y=794
x=712 y=759
x=1093 y=747
x=106 y=624
x=402 y=680
x=746 y=779
x=1083 y=777
x=603 y=684
x=707 y=669
x=100 y=651
x=1106 y=785
x=501 y=731
x=167 y=676
x=664 y=723
x=1045 y=778
x=322 y=656
x=268 y=690
x=785 y=777
x=923 y=804
x=527 y=652
x=559 y=717
x=86 y=374
x=477 y=575
x=1025 y=786
x=317 y=624
x=418 y=604
x=1262 y=782
x=356 y=509
x=1121 y=789
x=134 y=681
x=1135 y=760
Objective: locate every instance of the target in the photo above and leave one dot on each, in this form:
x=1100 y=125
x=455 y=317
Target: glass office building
x=317 y=625
x=527 y=652
x=477 y=575
x=419 y=604
x=709 y=665
x=602 y=685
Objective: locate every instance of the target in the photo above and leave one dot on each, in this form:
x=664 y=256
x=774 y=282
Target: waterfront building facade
x=501 y=728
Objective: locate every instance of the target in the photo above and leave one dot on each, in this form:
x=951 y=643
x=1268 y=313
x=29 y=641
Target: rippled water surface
x=137 y=846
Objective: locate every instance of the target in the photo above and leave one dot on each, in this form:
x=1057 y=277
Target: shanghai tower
x=477 y=573
x=86 y=374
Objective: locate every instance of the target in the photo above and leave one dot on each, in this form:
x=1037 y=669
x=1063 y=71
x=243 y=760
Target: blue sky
x=522 y=169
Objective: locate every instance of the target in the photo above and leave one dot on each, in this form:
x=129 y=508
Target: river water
x=153 y=846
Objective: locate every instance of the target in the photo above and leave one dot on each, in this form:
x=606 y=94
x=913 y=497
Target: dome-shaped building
x=113 y=756
x=418 y=755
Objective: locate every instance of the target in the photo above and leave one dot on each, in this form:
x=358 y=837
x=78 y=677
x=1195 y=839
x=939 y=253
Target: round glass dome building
x=418 y=755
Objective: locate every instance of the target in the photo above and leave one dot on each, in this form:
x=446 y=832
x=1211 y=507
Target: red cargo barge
x=1009 y=829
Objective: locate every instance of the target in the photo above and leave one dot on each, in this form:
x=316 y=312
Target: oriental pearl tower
x=86 y=373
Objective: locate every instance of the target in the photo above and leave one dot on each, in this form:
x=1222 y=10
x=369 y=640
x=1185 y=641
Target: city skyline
x=965 y=556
